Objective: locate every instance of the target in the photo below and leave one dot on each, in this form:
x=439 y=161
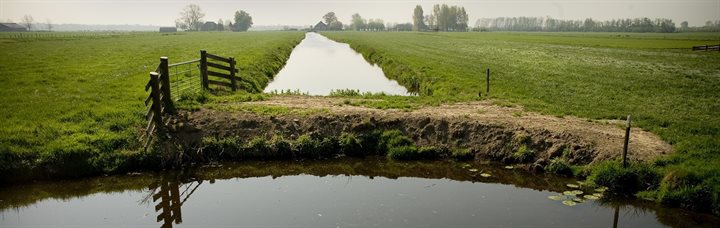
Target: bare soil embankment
x=488 y=131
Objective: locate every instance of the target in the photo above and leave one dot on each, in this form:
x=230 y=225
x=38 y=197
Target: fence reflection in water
x=167 y=197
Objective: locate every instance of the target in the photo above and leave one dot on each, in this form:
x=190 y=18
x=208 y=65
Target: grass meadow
x=667 y=88
x=70 y=98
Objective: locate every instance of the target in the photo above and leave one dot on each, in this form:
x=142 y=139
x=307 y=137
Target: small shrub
x=350 y=145
x=393 y=138
x=636 y=177
x=432 y=152
x=462 y=154
x=559 y=166
x=256 y=148
x=523 y=154
x=403 y=153
x=280 y=148
x=306 y=147
x=681 y=188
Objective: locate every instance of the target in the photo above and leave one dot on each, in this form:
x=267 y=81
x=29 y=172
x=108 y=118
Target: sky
x=307 y=12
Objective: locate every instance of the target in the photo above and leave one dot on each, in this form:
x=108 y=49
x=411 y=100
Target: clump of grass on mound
x=684 y=188
x=625 y=181
x=559 y=166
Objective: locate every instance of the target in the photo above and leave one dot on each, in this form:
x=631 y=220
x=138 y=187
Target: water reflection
x=318 y=65
x=346 y=192
x=167 y=196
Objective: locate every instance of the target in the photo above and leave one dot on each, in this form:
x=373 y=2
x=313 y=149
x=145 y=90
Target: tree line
x=548 y=24
x=192 y=19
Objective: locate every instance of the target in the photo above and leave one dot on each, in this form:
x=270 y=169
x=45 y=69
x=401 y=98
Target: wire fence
x=185 y=79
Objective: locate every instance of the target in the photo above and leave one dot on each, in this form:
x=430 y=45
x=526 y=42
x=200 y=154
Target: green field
x=70 y=98
x=668 y=89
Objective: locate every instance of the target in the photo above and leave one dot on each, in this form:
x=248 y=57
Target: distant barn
x=12 y=27
x=209 y=26
x=168 y=29
x=320 y=26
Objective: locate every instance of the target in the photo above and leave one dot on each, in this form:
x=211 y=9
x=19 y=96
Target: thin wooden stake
x=487 y=82
x=627 y=141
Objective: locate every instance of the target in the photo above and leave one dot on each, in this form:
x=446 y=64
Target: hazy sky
x=306 y=12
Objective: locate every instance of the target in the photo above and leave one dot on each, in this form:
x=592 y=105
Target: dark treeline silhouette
x=588 y=25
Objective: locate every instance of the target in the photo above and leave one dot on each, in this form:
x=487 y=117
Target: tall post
x=232 y=74
x=487 y=82
x=155 y=93
x=627 y=141
x=204 y=69
x=165 y=83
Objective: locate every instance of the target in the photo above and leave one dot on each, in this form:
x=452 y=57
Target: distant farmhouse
x=320 y=26
x=168 y=29
x=12 y=27
x=209 y=26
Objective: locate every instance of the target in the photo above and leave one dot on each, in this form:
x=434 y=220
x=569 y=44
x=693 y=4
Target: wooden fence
x=228 y=71
x=706 y=48
x=159 y=101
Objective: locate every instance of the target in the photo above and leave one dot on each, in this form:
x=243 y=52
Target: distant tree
x=243 y=21
x=376 y=25
x=49 y=25
x=358 y=23
x=220 y=25
x=335 y=26
x=191 y=18
x=684 y=25
x=27 y=21
x=330 y=18
x=180 y=24
x=418 y=19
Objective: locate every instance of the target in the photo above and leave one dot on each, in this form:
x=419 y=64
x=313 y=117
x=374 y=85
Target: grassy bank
x=667 y=88
x=73 y=105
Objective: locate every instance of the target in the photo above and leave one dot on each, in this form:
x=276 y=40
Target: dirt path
x=488 y=130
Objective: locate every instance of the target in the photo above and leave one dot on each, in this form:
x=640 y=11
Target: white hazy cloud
x=306 y=12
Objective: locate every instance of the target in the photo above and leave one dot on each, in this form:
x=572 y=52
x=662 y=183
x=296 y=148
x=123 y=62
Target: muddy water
x=318 y=65
x=341 y=193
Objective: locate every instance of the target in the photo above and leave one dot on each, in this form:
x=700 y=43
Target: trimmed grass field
x=75 y=98
x=668 y=89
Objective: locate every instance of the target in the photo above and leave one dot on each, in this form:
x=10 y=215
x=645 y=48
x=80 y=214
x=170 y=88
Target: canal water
x=319 y=65
x=369 y=192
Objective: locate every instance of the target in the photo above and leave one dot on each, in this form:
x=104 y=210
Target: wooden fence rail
x=227 y=72
x=706 y=48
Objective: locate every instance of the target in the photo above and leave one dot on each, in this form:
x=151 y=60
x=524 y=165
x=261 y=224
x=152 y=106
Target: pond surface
x=319 y=65
x=339 y=193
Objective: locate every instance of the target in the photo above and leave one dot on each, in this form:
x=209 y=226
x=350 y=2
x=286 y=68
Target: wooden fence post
x=232 y=74
x=204 y=69
x=165 y=80
x=487 y=80
x=156 y=106
x=627 y=141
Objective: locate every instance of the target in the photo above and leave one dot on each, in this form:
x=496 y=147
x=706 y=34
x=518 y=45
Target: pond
x=319 y=65
x=336 y=193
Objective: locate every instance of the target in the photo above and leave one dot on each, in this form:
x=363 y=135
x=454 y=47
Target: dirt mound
x=488 y=131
